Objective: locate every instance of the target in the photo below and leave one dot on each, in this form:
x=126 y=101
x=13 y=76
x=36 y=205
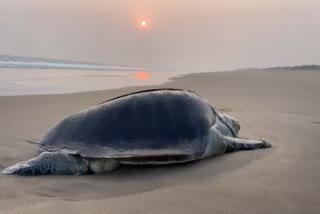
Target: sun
x=143 y=23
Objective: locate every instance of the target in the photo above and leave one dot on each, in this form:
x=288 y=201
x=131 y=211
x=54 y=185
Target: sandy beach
x=280 y=106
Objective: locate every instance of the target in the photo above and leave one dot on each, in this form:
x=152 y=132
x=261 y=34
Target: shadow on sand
x=129 y=180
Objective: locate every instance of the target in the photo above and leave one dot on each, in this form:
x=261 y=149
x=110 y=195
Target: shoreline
x=168 y=77
x=46 y=82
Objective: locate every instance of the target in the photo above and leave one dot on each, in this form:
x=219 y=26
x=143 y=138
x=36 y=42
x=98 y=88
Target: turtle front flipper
x=237 y=144
x=50 y=163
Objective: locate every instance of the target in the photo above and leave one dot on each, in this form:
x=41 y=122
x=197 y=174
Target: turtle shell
x=153 y=124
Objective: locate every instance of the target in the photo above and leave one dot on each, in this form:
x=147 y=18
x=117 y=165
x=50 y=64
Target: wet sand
x=280 y=106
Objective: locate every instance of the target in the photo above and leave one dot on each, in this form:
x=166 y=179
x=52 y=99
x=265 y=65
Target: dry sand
x=281 y=106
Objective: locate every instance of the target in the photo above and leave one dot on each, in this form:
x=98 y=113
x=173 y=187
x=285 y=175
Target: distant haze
x=192 y=35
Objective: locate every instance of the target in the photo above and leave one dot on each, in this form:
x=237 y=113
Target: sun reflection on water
x=142 y=75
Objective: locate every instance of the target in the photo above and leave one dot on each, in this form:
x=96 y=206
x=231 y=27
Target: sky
x=188 y=35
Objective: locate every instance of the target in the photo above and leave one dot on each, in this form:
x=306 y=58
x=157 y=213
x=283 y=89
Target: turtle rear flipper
x=48 y=163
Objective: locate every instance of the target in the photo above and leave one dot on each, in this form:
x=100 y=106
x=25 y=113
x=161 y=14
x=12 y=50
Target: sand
x=281 y=106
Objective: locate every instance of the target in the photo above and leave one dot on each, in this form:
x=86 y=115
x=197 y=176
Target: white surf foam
x=27 y=62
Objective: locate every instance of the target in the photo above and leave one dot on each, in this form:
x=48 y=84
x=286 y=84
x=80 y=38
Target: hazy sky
x=192 y=35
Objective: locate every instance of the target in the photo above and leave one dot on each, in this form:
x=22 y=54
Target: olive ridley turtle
x=158 y=126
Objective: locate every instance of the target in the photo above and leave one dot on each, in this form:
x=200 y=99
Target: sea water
x=26 y=76
x=58 y=81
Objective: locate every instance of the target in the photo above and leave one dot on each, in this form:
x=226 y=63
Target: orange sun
x=143 y=23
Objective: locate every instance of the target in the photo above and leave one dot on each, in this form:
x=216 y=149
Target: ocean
x=28 y=76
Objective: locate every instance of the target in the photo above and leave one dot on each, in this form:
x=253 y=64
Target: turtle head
x=232 y=123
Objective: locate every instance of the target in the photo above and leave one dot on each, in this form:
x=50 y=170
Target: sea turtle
x=158 y=126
